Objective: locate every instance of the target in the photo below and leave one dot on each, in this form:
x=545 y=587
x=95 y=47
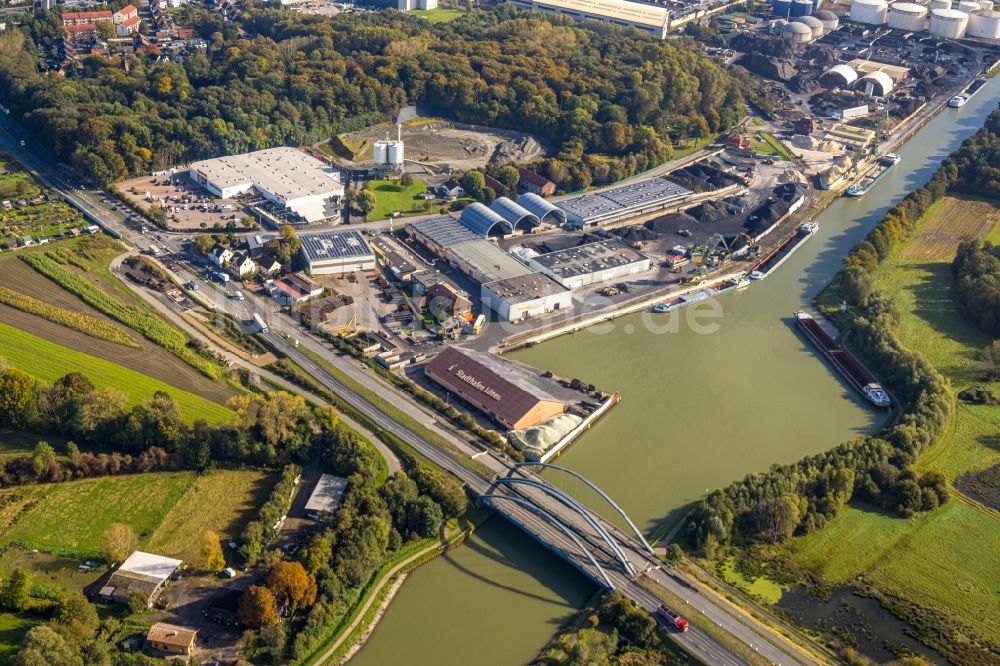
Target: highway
x=97 y=206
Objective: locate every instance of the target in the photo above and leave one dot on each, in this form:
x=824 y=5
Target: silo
x=829 y=19
x=949 y=23
x=797 y=32
x=939 y=4
x=968 y=6
x=381 y=150
x=872 y=12
x=774 y=25
x=814 y=24
x=395 y=153
x=907 y=16
x=986 y=4
x=984 y=24
x=782 y=8
x=801 y=8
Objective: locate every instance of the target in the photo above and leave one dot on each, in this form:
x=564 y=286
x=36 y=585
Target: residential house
x=444 y=301
x=242 y=266
x=80 y=35
x=532 y=182
x=495 y=185
x=85 y=18
x=220 y=255
x=738 y=141
x=451 y=188
x=268 y=265
x=295 y=288
x=171 y=638
x=129 y=26
x=125 y=13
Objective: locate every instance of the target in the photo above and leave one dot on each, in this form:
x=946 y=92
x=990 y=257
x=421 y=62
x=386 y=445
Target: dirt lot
x=193 y=217
x=953 y=219
x=186 y=600
x=150 y=359
x=461 y=146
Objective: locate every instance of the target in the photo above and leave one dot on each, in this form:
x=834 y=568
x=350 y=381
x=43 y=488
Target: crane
x=349 y=329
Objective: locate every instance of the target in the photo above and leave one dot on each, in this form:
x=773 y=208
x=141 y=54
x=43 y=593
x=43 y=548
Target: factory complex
x=621 y=203
x=295 y=181
x=591 y=263
x=337 y=252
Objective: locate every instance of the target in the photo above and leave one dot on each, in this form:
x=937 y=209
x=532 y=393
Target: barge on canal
x=846 y=364
x=783 y=251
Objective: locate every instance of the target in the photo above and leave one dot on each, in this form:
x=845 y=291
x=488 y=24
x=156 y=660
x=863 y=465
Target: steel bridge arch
x=571 y=503
x=600 y=492
x=552 y=520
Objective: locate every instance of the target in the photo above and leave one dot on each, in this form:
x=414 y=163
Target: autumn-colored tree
x=257 y=607
x=119 y=541
x=211 y=551
x=292 y=585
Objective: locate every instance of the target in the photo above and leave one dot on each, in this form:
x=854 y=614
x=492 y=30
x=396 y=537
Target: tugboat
x=958 y=101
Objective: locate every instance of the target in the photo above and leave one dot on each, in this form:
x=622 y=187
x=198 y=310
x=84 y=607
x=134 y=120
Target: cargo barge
x=867 y=181
x=841 y=359
x=783 y=251
x=732 y=284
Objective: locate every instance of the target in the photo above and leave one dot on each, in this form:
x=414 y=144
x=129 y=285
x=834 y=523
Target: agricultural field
x=946 y=558
x=438 y=15
x=49 y=361
x=70 y=518
x=12 y=630
x=949 y=221
x=222 y=501
x=391 y=196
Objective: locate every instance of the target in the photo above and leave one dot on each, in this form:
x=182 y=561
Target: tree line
x=799 y=498
x=976 y=282
x=607 y=99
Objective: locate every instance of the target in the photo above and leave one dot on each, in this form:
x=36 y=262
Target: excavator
x=349 y=329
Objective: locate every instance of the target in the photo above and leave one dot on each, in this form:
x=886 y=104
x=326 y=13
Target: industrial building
x=648 y=18
x=326 y=496
x=484 y=221
x=519 y=217
x=337 y=252
x=591 y=263
x=984 y=24
x=440 y=232
x=143 y=574
x=547 y=212
x=624 y=202
x=485 y=262
x=494 y=387
x=523 y=296
x=299 y=182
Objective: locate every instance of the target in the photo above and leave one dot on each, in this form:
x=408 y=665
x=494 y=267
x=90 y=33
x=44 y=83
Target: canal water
x=704 y=402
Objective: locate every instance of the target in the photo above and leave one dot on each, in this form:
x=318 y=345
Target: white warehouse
x=524 y=296
x=286 y=176
x=337 y=252
x=591 y=263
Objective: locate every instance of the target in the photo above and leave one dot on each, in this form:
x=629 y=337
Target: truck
x=672 y=619
x=259 y=321
x=220 y=276
x=154 y=250
x=675 y=262
x=477 y=326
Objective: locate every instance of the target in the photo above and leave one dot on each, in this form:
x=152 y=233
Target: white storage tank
x=872 y=12
x=775 y=25
x=381 y=150
x=949 y=23
x=907 y=16
x=395 y=153
x=939 y=4
x=797 y=32
x=986 y=4
x=984 y=24
x=828 y=18
x=968 y=6
x=814 y=24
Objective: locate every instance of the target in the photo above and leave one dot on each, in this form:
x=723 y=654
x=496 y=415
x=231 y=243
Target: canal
x=705 y=400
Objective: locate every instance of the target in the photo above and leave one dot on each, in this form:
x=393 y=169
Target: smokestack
x=399 y=131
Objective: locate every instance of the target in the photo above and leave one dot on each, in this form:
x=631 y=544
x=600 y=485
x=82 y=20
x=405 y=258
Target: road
x=97 y=207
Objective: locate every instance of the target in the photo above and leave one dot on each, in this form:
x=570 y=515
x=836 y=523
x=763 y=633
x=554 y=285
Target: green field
x=222 y=501
x=390 y=197
x=12 y=631
x=439 y=15
x=947 y=558
x=48 y=361
x=70 y=518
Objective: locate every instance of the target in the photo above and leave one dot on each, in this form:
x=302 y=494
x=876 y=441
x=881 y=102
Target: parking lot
x=187 y=205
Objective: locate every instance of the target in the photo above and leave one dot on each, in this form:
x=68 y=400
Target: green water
x=697 y=411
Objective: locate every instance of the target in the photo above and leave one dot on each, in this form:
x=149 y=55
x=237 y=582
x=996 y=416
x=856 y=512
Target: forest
x=606 y=98
x=799 y=498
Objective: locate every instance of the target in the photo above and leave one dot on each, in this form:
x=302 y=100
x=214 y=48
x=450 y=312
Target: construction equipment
x=349 y=329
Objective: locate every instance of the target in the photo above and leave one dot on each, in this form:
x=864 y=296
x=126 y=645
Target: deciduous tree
x=119 y=541
x=292 y=586
x=257 y=607
x=211 y=551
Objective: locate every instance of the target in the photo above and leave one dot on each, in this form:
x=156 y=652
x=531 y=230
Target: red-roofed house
x=129 y=26
x=125 y=13
x=85 y=18
x=295 y=288
x=81 y=35
x=532 y=182
x=187 y=34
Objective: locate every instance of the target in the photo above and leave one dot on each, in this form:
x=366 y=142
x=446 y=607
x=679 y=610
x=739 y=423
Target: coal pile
x=670 y=223
x=768 y=45
x=765 y=216
x=709 y=211
x=634 y=234
x=817 y=54
x=776 y=69
x=703 y=178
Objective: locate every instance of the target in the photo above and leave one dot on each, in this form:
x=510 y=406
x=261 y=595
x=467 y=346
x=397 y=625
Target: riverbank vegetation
x=273 y=78
x=931 y=570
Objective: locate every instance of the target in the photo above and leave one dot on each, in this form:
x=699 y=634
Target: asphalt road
x=97 y=207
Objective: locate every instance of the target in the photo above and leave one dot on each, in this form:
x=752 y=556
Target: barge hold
x=874 y=173
x=783 y=251
x=841 y=359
